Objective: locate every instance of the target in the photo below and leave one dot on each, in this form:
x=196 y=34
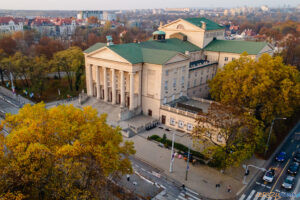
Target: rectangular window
x=167 y=72
x=174 y=82
x=180 y=124
x=226 y=58
x=182 y=80
x=189 y=127
x=172 y=121
x=195 y=82
x=233 y=58
x=166 y=85
x=195 y=74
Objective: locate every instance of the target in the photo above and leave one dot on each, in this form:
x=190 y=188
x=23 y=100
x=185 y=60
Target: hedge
x=178 y=146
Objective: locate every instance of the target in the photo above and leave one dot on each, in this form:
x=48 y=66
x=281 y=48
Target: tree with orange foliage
x=60 y=153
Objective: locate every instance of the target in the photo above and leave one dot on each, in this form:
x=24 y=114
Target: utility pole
x=271 y=128
x=187 y=163
x=172 y=154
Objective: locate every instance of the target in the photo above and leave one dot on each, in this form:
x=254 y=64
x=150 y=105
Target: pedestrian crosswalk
x=254 y=195
x=188 y=194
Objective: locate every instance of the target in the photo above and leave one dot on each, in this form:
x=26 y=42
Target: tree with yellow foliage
x=60 y=153
x=267 y=86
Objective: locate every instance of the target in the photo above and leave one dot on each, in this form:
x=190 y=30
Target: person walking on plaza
x=229 y=188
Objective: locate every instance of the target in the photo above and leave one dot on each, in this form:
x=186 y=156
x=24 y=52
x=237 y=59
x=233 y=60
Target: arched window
x=180 y=26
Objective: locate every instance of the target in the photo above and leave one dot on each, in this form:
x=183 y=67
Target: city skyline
x=134 y=4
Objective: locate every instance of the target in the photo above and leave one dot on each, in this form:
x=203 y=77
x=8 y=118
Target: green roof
x=158 y=33
x=152 y=51
x=95 y=47
x=233 y=46
x=172 y=44
x=210 y=25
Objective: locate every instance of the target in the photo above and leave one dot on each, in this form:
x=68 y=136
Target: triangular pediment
x=180 y=24
x=107 y=54
x=178 y=58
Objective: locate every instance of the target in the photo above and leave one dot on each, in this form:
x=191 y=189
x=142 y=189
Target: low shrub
x=177 y=146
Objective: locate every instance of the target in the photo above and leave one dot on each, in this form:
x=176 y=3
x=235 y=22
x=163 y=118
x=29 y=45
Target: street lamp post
x=187 y=163
x=172 y=154
x=271 y=128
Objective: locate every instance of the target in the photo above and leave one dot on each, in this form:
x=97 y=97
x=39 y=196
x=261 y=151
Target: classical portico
x=115 y=86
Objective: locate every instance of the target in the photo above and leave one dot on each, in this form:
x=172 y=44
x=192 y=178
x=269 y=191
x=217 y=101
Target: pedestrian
x=229 y=188
x=128 y=177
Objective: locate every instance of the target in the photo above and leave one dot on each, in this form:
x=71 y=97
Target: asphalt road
x=274 y=191
x=172 y=189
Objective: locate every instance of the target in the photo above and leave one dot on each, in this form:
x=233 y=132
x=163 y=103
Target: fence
x=12 y=98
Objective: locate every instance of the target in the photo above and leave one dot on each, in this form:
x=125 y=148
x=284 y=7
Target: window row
x=181 y=124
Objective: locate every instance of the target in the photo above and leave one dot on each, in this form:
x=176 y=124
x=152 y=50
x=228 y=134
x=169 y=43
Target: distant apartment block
x=10 y=24
x=90 y=13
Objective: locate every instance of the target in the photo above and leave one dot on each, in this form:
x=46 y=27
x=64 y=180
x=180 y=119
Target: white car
x=269 y=176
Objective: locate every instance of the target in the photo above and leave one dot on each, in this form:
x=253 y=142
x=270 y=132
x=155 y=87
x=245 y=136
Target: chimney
x=187 y=53
x=203 y=25
x=109 y=40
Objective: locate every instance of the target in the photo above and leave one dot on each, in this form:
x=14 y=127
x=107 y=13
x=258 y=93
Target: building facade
x=165 y=77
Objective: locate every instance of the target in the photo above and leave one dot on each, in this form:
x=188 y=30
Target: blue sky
x=131 y=4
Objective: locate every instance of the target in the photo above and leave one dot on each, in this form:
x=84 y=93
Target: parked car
x=269 y=175
x=293 y=169
x=288 y=182
x=297 y=156
x=281 y=156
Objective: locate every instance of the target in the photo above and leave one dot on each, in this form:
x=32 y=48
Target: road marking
x=298 y=146
x=263 y=197
x=269 y=187
x=292 y=140
x=250 y=195
x=189 y=194
x=257 y=183
x=256 y=196
x=293 y=153
x=191 y=191
x=180 y=197
x=242 y=197
x=280 y=175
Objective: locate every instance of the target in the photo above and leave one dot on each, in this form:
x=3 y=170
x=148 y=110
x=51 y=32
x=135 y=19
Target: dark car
x=293 y=169
x=281 y=156
x=297 y=156
x=288 y=182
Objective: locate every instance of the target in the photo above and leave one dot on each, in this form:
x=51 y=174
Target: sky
x=135 y=4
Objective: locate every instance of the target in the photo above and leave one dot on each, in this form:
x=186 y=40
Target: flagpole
x=172 y=154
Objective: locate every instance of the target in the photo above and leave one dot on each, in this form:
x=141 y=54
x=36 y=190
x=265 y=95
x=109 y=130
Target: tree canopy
x=229 y=134
x=267 y=86
x=60 y=153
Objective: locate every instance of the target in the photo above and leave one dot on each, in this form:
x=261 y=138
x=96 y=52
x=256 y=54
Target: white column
x=122 y=89
x=105 y=84
x=90 y=79
x=113 y=86
x=140 y=89
x=98 y=81
x=131 y=92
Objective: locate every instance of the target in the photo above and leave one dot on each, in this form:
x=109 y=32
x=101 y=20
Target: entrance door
x=119 y=98
x=150 y=112
x=163 y=119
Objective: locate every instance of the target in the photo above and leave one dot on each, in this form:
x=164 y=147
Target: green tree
x=71 y=61
x=229 y=134
x=2 y=56
x=267 y=86
x=60 y=153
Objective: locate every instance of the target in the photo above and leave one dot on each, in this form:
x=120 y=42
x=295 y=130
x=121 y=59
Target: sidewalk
x=201 y=178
